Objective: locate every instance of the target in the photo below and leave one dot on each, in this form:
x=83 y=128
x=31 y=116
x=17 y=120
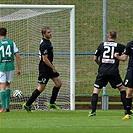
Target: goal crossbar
x=38 y=6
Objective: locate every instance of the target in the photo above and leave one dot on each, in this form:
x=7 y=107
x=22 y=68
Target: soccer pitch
x=64 y=121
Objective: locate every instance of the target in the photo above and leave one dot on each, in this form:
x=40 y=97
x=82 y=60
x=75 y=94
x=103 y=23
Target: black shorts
x=103 y=79
x=44 y=77
x=128 y=82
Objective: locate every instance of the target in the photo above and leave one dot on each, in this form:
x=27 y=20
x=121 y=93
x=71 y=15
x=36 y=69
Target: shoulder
x=120 y=45
x=43 y=42
x=12 y=43
x=10 y=40
x=7 y=41
x=101 y=45
x=130 y=43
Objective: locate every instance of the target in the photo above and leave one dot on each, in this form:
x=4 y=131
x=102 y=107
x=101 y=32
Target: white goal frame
x=72 y=41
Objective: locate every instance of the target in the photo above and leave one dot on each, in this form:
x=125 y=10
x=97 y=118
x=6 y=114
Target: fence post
x=105 y=99
x=104 y=96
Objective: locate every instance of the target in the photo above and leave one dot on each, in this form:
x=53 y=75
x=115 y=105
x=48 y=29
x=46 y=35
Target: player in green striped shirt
x=7 y=51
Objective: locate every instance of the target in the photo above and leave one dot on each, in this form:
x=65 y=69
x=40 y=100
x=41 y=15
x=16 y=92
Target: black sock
x=129 y=103
x=54 y=94
x=94 y=102
x=123 y=99
x=35 y=94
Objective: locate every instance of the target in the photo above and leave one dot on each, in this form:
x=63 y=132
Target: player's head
x=112 y=34
x=3 y=31
x=46 y=33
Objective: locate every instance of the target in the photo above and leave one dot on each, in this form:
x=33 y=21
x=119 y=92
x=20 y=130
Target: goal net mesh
x=24 y=28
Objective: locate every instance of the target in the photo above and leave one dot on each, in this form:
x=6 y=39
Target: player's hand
x=116 y=55
x=19 y=73
x=54 y=70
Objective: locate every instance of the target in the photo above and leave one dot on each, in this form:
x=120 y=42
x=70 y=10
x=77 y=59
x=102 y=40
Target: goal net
x=24 y=24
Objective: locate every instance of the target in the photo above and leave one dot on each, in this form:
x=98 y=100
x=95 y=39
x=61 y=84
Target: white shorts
x=6 y=76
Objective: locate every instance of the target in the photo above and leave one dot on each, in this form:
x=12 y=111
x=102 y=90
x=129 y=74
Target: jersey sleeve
x=43 y=49
x=98 y=51
x=15 y=47
x=127 y=49
x=120 y=49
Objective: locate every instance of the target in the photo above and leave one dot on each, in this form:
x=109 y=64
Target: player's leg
x=9 y=78
x=2 y=91
x=42 y=81
x=56 y=88
x=94 y=101
x=101 y=80
x=116 y=82
x=129 y=99
x=8 y=94
x=33 y=97
x=55 y=91
x=123 y=96
x=3 y=96
x=128 y=82
x=128 y=111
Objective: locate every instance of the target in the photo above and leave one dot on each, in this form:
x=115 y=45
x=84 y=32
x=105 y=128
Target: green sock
x=3 y=99
x=8 y=91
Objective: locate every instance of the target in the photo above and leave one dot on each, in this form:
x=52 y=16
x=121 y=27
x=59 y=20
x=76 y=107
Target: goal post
x=24 y=23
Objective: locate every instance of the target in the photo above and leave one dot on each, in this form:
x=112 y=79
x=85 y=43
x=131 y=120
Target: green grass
x=64 y=122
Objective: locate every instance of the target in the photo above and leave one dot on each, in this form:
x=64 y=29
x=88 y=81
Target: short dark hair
x=44 y=29
x=3 y=31
x=112 y=34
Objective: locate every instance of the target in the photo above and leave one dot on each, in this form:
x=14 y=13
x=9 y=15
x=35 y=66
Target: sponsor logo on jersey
x=4 y=42
x=45 y=51
x=113 y=44
x=110 y=61
x=6 y=60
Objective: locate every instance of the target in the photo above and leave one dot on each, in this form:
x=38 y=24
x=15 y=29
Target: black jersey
x=129 y=51
x=108 y=63
x=45 y=48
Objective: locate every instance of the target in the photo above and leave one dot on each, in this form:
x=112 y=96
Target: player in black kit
x=108 y=69
x=128 y=82
x=46 y=71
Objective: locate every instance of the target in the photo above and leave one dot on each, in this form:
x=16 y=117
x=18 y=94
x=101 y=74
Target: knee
x=41 y=87
x=7 y=85
x=58 y=85
x=96 y=91
x=129 y=95
x=121 y=88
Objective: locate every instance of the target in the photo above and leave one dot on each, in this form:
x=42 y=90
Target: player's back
x=108 y=63
x=6 y=54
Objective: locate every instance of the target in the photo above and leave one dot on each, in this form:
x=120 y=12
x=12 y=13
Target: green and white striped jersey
x=7 y=50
